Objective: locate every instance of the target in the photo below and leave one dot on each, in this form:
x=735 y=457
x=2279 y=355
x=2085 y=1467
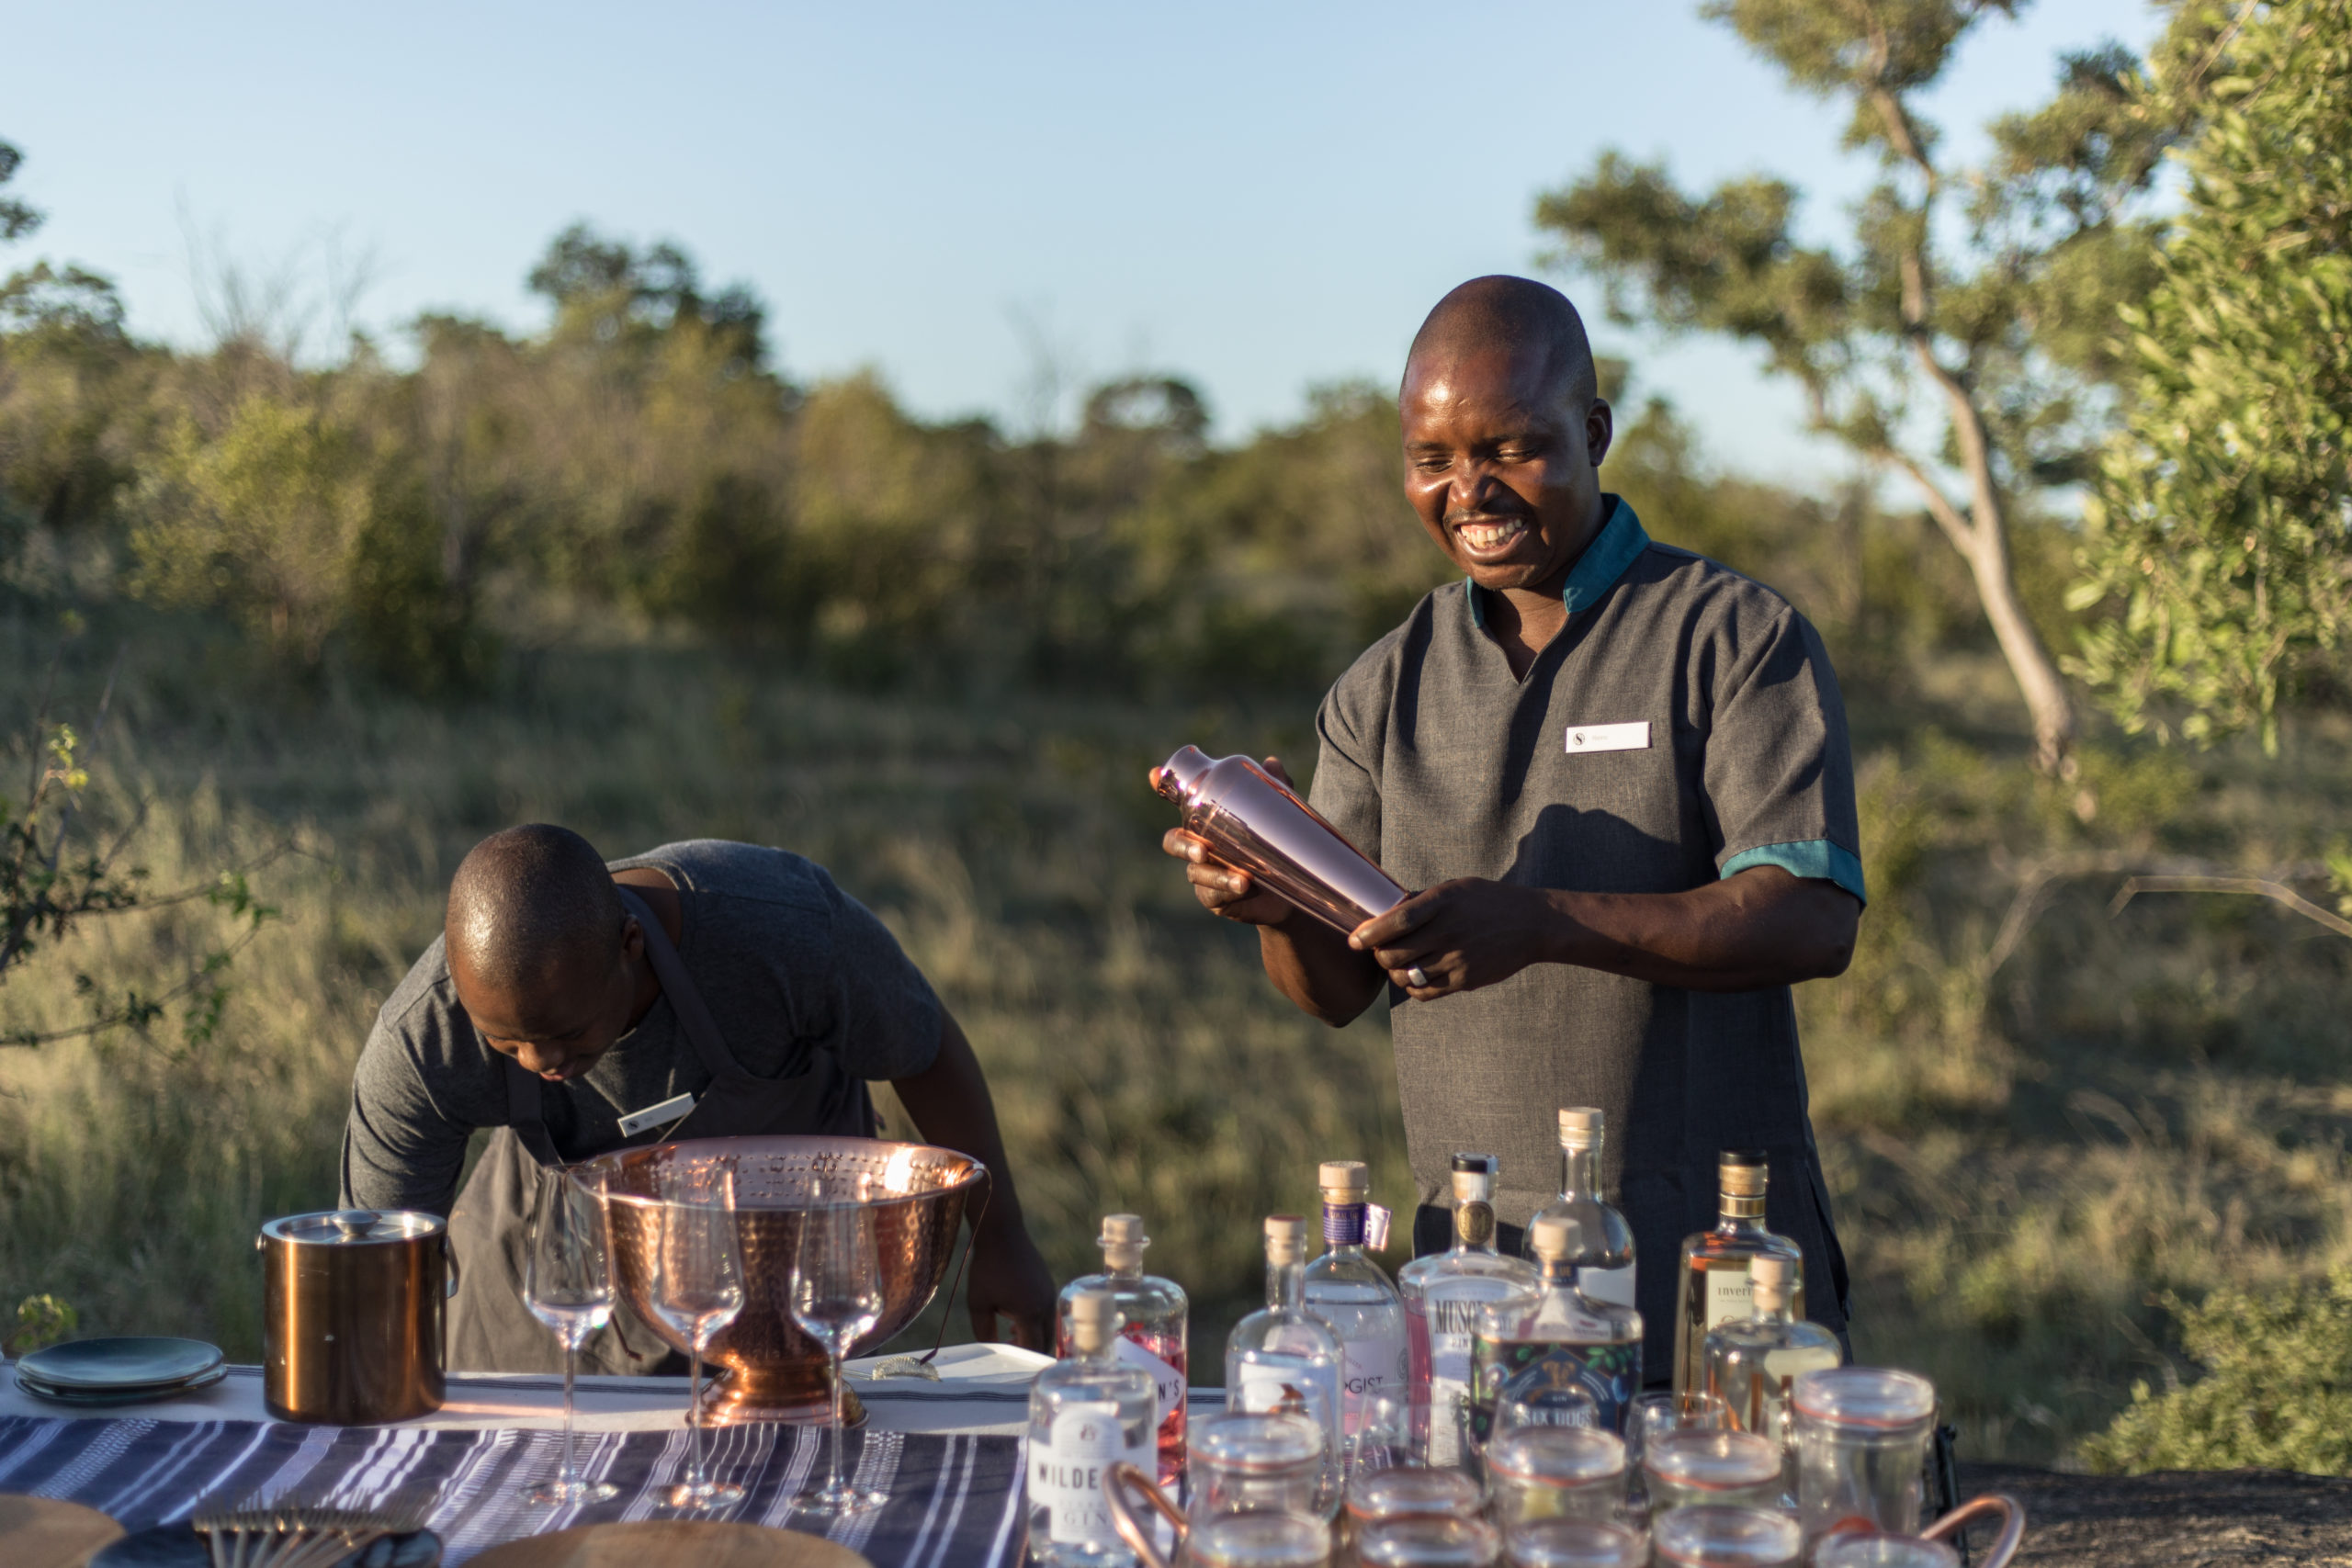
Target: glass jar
x=1254 y=1464
x=1574 y=1543
x=1387 y=1495
x=1877 y=1550
x=1863 y=1436
x=1709 y=1537
x=1689 y=1468
x=1259 y=1541
x=1546 y=1472
x=1431 y=1543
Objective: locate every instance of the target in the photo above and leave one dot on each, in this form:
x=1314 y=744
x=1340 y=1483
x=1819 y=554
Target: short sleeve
x=401 y=1150
x=1780 y=770
x=1345 y=791
x=886 y=1019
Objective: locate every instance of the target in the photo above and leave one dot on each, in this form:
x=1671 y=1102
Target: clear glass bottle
x=1087 y=1412
x=1443 y=1294
x=1752 y=1364
x=1155 y=1338
x=1562 y=1341
x=1710 y=1287
x=1600 y=1244
x=1285 y=1359
x=1348 y=1291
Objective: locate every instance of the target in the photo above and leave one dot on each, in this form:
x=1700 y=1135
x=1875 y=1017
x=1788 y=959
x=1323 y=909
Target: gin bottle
x=1600 y=1244
x=1285 y=1359
x=1560 y=1343
x=1348 y=1291
x=1087 y=1412
x=1752 y=1363
x=1443 y=1293
x=1711 y=1286
x=1156 y=1316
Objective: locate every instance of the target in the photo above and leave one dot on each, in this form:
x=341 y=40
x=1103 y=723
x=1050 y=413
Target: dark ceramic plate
x=140 y=1395
x=93 y=1366
x=178 y=1546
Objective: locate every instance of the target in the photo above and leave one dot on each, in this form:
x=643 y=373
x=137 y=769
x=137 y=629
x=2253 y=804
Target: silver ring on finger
x=1420 y=981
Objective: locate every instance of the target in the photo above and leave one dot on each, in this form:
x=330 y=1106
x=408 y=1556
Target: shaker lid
x=353 y=1227
x=1177 y=777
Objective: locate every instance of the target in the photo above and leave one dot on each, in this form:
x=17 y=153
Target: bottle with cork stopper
x=1285 y=1359
x=1601 y=1243
x=1711 y=1286
x=1155 y=1336
x=1553 y=1353
x=1752 y=1363
x=1350 y=1291
x=1087 y=1412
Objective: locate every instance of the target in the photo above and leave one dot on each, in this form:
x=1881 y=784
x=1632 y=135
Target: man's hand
x=1226 y=890
x=1461 y=935
x=1009 y=1280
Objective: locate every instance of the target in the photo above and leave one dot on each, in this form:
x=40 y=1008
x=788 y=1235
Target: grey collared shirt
x=1683 y=726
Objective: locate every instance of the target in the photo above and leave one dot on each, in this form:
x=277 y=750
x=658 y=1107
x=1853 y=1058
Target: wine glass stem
x=836 y=1482
x=571 y=1365
x=694 y=1420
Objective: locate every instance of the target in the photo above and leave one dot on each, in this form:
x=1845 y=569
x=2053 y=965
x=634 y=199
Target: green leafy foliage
x=2220 y=532
x=41 y=1320
x=2276 y=1392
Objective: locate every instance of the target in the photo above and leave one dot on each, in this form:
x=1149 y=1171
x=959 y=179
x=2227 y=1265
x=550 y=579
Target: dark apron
x=490 y=1328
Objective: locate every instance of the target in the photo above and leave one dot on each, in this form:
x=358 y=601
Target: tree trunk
x=2046 y=697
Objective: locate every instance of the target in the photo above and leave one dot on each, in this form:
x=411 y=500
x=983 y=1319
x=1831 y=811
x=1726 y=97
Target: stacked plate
x=119 y=1371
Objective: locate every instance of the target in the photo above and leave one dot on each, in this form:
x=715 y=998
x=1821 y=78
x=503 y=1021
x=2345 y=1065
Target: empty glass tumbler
x=1549 y=1473
x=1691 y=1468
x=1863 y=1436
x=1574 y=1544
x=1709 y=1537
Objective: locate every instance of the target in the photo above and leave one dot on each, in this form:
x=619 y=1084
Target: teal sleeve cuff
x=1815 y=858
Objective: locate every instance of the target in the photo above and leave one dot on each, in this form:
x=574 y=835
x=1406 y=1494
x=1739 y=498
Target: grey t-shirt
x=789 y=965
x=1683 y=726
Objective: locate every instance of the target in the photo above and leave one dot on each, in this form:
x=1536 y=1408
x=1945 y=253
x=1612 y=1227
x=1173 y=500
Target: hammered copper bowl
x=774 y=1373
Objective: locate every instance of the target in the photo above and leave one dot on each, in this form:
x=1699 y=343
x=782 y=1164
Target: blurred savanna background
x=294 y=610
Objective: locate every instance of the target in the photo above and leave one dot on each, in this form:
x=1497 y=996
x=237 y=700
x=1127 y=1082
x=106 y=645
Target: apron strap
x=523 y=1113
x=685 y=998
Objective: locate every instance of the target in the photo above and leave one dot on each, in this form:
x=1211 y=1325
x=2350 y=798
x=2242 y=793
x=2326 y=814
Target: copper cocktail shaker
x=1251 y=822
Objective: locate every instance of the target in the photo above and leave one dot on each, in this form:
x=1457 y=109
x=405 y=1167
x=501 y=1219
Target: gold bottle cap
x=1344 y=1181
x=1743 y=1174
x=1548 y=1238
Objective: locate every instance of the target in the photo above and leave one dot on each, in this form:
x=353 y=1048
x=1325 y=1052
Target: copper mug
x=355 y=1308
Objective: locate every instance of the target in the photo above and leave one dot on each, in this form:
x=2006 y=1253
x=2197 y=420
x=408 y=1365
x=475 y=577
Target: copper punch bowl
x=772 y=1372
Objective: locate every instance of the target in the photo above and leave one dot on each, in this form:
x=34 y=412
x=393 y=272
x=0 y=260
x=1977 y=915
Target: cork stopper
x=1344 y=1181
x=1285 y=1238
x=1123 y=1242
x=1769 y=1278
x=1548 y=1238
x=1093 y=1319
x=1579 y=1127
x=1743 y=1173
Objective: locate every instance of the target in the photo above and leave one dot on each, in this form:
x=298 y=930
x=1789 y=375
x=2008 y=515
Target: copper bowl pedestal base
x=772 y=1371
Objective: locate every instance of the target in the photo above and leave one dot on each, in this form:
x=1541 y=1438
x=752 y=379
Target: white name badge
x=1609 y=736
x=670 y=1110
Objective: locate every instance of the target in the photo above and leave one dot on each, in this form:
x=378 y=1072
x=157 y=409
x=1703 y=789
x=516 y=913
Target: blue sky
x=1259 y=197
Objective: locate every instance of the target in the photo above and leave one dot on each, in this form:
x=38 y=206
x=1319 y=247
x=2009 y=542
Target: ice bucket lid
x=353 y=1227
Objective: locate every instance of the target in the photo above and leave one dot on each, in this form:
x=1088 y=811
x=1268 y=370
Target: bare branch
x=2260 y=886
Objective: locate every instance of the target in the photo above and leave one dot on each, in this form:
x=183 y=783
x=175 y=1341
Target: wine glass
x=836 y=1295
x=695 y=1285
x=567 y=1285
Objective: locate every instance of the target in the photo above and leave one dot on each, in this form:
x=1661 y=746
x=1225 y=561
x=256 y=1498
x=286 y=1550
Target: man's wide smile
x=1488 y=537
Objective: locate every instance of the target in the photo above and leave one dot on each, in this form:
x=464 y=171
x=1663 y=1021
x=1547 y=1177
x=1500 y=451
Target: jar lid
x=1237 y=1441
x=1864 y=1396
x=1429 y=1543
x=1712 y=1461
x=1558 y=1456
x=1869 y=1549
x=1406 y=1493
x=1574 y=1544
x=1708 y=1537
x=1259 y=1540
x=353 y=1227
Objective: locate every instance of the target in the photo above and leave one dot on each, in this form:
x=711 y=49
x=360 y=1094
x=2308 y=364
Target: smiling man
x=1618 y=775
x=703 y=989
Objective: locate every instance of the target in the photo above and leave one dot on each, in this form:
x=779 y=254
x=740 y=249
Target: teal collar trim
x=1614 y=549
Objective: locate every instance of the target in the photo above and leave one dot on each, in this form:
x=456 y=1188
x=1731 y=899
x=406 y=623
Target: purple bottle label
x=1343 y=1225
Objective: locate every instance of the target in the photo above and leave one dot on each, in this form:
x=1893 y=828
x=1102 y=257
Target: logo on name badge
x=1609 y=736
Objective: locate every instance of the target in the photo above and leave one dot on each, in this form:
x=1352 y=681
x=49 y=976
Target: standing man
x=730 y=991
x=1618 y=774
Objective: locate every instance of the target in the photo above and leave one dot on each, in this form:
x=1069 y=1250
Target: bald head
x=1518 y=317
x=531 y=906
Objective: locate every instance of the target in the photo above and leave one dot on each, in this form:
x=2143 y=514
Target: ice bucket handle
x=2005 y=1545
x=1124 y=1481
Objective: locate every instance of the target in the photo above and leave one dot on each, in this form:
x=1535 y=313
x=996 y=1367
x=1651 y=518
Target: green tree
x=1973 y=301
x=2220 y=530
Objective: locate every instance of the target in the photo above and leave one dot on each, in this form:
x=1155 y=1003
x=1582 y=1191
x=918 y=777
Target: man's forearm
x=950 y=1103
x=1760 y=928
x=1315 y=967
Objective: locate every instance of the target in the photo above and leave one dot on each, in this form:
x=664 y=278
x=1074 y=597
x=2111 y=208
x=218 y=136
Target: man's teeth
x=1486 y=536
